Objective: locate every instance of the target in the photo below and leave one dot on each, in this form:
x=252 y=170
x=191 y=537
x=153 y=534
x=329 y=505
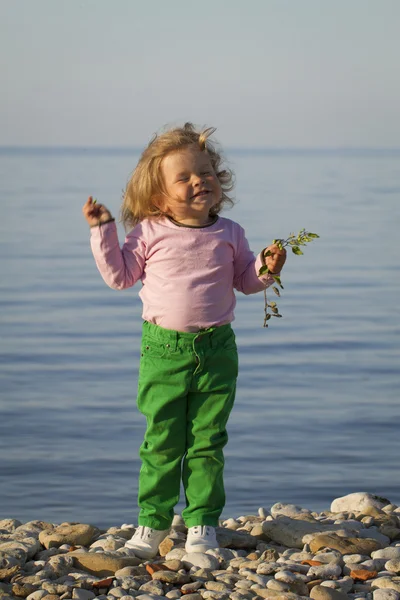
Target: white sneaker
x=201 y=538
x=145 y=541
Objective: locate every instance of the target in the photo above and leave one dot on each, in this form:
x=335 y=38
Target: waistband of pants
x=212 y=336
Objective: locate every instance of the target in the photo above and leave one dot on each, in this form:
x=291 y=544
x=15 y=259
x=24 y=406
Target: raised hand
x=95 y=213
x=275 y=258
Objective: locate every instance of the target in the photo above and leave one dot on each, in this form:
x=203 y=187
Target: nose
x=198 y=179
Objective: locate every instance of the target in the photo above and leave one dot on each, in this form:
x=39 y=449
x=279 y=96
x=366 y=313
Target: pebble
x=288 y=552
x=385 y=594
x=198 y=559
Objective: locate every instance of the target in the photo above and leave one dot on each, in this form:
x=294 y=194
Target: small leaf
x=296 y=250
x=277 y=315
x=313 y=235
x=263 y=270
x=277 y=279
x=268 y=253
x=272 y=304
x=267 y=317
x=275 y=289
x=274 y=310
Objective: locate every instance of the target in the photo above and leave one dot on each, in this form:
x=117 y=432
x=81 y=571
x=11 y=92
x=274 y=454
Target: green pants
x=187 y=384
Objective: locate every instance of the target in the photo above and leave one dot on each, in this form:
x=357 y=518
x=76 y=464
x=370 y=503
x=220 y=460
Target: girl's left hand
x=276 y=260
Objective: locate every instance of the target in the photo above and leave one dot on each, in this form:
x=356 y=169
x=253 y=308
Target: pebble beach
x=286 y=552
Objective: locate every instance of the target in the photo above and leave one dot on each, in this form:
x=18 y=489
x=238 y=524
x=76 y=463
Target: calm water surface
x=317 y=410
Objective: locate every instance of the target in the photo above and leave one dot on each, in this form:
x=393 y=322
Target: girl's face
x=192 y=187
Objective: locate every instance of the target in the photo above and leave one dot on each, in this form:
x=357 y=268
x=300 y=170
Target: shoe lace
x=197 y=529
x=143 y=532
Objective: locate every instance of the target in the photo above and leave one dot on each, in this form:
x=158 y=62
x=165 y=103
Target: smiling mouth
x=202 y=193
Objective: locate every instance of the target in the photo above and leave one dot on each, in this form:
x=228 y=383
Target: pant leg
x=210 y=402
x=164 y=380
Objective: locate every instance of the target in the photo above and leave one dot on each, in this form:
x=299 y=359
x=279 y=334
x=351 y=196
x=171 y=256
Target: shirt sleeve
x=119 y=267
x=246 y=268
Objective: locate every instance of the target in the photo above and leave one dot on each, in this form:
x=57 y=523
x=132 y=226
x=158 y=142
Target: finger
x=274 y=249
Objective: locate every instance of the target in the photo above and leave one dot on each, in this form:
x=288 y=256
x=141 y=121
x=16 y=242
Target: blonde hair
x=147 y=182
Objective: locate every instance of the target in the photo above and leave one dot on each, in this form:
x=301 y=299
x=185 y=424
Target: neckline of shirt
x=215 y=219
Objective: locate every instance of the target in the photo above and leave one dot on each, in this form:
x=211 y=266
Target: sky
x=265 y=73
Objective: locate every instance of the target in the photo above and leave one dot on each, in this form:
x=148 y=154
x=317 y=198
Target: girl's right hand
x=94 y=213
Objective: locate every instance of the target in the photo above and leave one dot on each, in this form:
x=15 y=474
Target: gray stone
x=385 y=594
x=229 y=538
x=80 y=594
x=291 y=510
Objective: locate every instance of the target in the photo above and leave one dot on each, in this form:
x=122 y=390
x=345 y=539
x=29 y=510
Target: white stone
x=117 y=592
x=288 y=577
x=356 y=502
x=223 y=555
x=289 y=510
x=150 y=597
x=296 y=567
x=38 y=595
x=231 y=524
x=108 y=544
x=244 y=584
x=173 y=594
x=387 y=582
x=279 y=586
x=327 y=571
x=260 y=579
x=393 y=565
x=354 y=558
x=201 y=560
x=175 y=554
x=388 y=553
x=178 y=524
x=373 y=564
x=327 y=557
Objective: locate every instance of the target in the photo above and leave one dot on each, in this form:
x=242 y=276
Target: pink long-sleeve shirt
x=188 y=274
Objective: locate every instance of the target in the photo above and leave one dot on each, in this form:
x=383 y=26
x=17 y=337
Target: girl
x=189 y=260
